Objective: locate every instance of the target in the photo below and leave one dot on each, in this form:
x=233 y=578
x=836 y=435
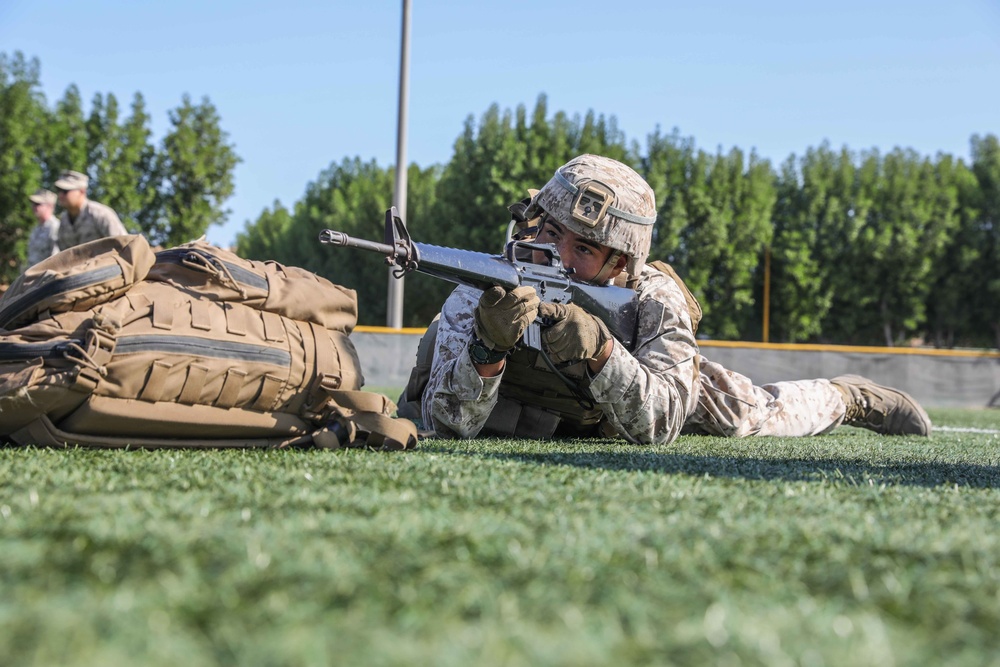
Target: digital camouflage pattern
x=44 y=241
x=72 y=180
x=95 y=221
x=644 y=395
x=730 y=405
x=650 y=396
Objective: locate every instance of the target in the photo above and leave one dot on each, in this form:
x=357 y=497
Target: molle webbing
x=528 y=381
x=199 y=349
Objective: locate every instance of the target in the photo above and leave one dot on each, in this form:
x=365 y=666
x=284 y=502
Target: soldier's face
x=585 y=257
x=71 y=198
x=42 y=211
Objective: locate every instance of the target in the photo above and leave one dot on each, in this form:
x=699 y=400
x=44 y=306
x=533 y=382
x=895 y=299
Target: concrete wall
x=933 y=378
x=386 y=358
x=936 y=378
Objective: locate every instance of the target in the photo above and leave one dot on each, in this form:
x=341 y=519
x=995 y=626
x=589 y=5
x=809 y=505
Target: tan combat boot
x=882 y=409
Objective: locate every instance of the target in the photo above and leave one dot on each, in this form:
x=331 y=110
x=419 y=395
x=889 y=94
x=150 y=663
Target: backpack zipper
x=12 y=311
x=205 y=347
x=26 y=351
x=183 y=345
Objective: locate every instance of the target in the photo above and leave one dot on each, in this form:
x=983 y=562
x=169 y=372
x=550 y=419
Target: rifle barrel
x=333 y=237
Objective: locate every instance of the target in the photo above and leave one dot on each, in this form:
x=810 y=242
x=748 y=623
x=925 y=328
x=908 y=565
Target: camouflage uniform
x=95 y=221
x=44 y=241
x=729 y=404
x=650 y=396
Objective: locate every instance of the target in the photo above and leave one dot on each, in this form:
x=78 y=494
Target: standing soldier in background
x=44 y=239
x=83 y=220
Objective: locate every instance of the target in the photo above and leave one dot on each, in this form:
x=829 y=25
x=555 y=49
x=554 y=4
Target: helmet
x=603 y=201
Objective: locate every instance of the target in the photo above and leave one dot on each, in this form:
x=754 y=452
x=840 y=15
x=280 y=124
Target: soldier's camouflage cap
x=72 y=180
x=43 y=196
x=603 y=201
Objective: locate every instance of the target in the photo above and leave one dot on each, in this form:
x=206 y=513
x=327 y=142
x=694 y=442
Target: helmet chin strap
x=604 y=275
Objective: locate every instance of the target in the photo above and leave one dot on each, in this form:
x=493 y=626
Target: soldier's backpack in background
x=110 y=345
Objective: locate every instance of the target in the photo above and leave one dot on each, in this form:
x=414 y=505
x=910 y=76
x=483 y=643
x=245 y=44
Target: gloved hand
x=502 y=316
x=575 y=334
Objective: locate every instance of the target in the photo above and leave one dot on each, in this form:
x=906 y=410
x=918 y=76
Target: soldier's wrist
x=482 y=355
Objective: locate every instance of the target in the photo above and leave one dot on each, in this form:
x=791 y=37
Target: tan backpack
x=108 y=345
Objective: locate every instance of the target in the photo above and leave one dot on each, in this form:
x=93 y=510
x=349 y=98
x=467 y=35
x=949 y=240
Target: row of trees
x=858 y=247
x=171 y=192
x=861 y=247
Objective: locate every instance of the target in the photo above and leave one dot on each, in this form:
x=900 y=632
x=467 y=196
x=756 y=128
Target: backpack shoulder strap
x=694 y=308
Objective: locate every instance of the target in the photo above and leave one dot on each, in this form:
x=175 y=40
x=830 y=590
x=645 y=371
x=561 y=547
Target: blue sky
x=300 y=85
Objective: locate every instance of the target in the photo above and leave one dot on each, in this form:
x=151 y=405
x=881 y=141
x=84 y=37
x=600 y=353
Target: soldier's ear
x=619 y=266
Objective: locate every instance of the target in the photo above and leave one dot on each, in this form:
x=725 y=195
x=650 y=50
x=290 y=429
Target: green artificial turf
x=846 y=549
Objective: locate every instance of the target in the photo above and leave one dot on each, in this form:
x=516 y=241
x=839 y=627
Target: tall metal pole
x=394 y=307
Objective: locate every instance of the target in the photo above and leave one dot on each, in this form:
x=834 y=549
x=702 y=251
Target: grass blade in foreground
x=843 y=549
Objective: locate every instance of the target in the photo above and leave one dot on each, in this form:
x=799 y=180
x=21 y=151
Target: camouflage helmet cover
x=603 y=201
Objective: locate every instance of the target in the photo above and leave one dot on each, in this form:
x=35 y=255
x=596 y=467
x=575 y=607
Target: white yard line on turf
x=964 y=429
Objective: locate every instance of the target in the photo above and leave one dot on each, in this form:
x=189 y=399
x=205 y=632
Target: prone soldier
x=599 y=214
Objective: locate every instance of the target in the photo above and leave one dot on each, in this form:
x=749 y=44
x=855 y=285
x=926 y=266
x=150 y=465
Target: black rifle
x=617 y=307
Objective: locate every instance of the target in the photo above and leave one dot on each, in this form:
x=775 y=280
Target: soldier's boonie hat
x=72 y=180
x=43 y=196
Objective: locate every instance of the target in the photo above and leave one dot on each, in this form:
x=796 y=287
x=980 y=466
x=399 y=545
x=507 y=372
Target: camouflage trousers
x=730 y=405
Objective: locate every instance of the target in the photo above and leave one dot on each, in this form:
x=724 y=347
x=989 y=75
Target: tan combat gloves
x=574 y=334
x=570 y=333
x=501 y=316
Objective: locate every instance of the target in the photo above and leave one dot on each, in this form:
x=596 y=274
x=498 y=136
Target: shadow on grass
x=850 y=471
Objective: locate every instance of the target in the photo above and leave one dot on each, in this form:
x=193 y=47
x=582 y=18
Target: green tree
x=193 y=175
x=813 y=221
x=65 y=142
x=486 y=174
x=102 y=139
x=121 y=159
x=986 y=166
x=714 y=223
x=22 y=110
x=265 y=238
x=546 y=142
x=133 y=177
x=795 y=274
x=702 y=239
x=751 y=196
x=667 y=166
x=844 y=245
x=600 y=136
x=496 y=161
x=954 y=301
x=886 y=275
